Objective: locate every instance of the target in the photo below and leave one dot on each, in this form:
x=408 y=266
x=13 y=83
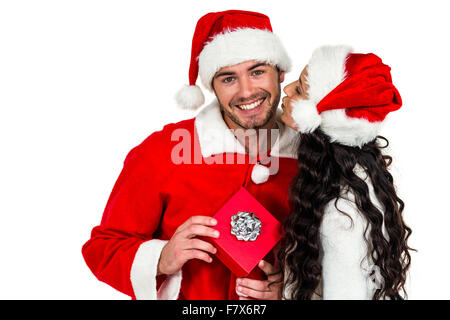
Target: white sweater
x=346 y=267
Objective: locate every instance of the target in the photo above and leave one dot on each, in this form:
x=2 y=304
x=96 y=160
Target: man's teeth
x=251 y=106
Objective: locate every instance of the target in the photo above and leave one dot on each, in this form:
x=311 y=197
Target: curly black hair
x=325 y=169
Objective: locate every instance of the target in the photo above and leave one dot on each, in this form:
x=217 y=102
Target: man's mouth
x=251 y=106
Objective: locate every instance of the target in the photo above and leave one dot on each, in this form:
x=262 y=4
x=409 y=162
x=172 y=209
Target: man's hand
x=259 y=289
x=184 y=245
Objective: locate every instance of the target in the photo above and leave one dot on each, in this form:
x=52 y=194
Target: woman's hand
x=259 y=289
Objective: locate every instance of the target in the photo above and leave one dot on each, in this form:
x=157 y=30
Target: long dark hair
x=324 y=170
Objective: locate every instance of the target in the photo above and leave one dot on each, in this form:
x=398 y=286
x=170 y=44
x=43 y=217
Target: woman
x=345 y=237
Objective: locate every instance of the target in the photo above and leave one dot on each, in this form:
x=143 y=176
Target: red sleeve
x=131 y=216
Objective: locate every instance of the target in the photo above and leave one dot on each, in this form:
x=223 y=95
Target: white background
x=82 y=82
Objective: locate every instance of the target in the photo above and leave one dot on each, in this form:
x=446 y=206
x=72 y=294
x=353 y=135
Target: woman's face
x=294 y=91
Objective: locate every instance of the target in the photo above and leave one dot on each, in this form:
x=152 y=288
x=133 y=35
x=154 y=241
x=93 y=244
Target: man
x=152 y=240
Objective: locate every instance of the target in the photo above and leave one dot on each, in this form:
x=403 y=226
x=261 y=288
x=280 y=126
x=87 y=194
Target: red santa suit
x=185 y=170
x=154 y=195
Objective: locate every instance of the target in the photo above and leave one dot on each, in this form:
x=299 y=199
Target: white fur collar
x=216 y=138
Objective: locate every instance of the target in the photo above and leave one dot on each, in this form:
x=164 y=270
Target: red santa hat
x=228 y=38
x=349 y=95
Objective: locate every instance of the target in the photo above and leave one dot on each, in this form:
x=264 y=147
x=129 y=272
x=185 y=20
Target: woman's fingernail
x=239 y=293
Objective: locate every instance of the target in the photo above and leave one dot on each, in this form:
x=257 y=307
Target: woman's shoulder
x=348 y=268
x=342 y=216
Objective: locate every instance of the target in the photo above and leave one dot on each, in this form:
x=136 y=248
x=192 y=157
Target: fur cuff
x=144 y=270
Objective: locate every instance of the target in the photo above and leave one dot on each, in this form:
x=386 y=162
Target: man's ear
x=281 y=76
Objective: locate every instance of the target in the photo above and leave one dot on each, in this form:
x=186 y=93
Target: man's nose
x=246 y=87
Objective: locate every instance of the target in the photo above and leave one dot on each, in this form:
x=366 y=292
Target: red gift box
x=241 y=256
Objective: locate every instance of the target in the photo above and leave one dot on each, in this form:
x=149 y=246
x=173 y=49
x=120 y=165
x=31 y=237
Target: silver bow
x=245 y=226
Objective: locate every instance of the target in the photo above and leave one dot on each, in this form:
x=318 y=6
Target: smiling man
x=249 y=94
x=152 y=242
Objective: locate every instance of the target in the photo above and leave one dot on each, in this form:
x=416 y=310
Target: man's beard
x=269 y=116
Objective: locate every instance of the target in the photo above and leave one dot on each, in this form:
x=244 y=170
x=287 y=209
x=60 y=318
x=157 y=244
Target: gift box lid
x=241 y=256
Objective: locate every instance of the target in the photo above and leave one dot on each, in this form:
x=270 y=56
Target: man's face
x=248 y=94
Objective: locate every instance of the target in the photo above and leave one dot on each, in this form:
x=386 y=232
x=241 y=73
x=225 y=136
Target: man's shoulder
x=160 y=142
x=164 y=136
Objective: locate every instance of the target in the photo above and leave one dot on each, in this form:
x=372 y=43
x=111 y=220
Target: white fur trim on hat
x=354 y=132
x=305 y=115
x=190 y=97
x=238 y=46
x=326 y=70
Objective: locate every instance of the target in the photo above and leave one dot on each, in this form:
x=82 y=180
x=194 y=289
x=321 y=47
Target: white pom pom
x=260 y=174
x=305 y=115
x=190 y=97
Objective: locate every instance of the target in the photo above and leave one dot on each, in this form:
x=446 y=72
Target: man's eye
x=227 y=79
x=258 y=72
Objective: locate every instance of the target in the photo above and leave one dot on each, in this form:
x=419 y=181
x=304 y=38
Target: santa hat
x=228 y=38
x=349 y=95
